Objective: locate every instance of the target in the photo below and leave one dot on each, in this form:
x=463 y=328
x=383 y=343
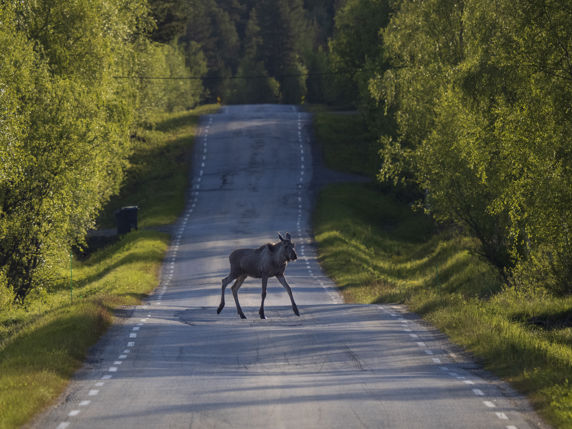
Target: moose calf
x=267 y=261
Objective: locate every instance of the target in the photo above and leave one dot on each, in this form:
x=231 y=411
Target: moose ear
x=280 y=237
x=288 y=236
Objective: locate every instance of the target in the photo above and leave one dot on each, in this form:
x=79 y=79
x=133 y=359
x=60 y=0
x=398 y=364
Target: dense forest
x=471 y=103
x=254 y=51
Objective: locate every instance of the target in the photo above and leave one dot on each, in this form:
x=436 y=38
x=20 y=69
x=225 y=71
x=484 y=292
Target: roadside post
x=71 y=277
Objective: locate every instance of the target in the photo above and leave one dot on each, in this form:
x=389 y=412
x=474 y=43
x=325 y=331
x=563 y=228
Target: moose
x=267 y=261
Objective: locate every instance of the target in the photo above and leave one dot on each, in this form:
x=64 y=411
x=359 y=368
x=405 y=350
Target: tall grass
x=351 y=146
x=45 y=340
x=378 y=250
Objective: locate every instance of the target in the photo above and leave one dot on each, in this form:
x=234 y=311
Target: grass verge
x=55 y=332
x=377 y=250
x=351 y=147
x=44 y=341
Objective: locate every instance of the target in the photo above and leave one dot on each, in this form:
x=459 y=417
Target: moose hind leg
x=284 y=283
x=225 y=283
x=264 y=286
x=235 y=287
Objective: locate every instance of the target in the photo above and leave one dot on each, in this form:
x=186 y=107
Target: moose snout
x=293 y=256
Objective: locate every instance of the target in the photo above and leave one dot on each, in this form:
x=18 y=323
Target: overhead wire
x=344 y=72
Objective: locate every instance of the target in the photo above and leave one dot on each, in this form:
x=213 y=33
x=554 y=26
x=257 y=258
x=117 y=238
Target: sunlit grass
x=438 y=275
x=56 y=331
x=378 y=250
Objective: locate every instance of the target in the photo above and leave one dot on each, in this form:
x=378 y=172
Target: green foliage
x=357 y=49
x=422 y=40
x=67 y=156
x=254 y=84
x=457 y=189
x=293 y=86
x=283 y=24
x=259 y=89
x=378 y=250
x=66 y=119
x=480 y=97
x=177 y=86
x=211 y=29
x=170 y=17
x=269 y=48
x=319 y=82
x=157 y=176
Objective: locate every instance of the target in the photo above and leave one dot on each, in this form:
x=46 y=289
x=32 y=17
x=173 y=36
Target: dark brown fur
x=267 y=261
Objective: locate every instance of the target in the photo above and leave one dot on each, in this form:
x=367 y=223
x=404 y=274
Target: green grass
x=393 y=251
x=378 y=250
x=54 y=334
x=351 y=146
x=157 y=178
x=44 y=341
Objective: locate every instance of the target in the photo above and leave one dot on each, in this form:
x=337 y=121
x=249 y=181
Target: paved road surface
x=175 y=363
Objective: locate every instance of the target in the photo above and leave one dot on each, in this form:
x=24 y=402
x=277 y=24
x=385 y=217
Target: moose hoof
x=218 y=310
x=242 y=316
x=262 y=316
x=296 y=312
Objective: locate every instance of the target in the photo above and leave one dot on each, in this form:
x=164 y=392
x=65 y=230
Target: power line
x=236 y=77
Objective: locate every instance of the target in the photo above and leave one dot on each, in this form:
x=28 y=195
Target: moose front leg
x=264 y=285
x=283 y=282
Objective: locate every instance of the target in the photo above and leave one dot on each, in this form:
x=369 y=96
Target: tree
x=435 y=129
x=68 y=134
x=283 y=27
x=253 y=83
x=520 y=73
x=481 y=98
x=211 y=28
x=175 y=86
x=356 y=48
x=170 y=18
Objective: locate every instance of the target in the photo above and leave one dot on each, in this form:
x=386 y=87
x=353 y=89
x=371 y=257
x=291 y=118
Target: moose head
x=288 y=247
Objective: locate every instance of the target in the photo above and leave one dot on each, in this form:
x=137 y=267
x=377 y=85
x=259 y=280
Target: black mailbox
x=126 y=218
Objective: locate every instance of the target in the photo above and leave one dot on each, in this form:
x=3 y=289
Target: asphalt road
x=174 y=363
